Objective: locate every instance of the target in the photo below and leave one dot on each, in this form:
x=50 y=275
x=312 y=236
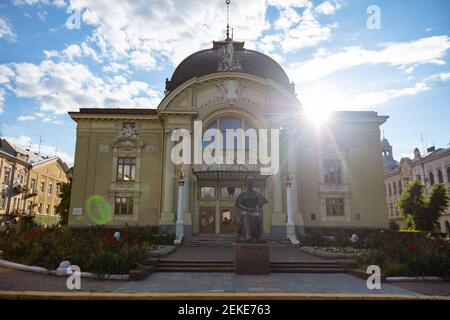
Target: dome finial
x=228 y=2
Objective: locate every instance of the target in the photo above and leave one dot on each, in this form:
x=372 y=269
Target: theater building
x=329 y=176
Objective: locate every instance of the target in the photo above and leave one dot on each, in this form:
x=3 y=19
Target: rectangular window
x=123 y=206
x=390 y=189
x=335 y=207
x=400 y=188
x=30 y=206
x=126 y=169
x=230 y=193
x=42 y=186
x=40 y=208
x=207 y=193
x=395 y=187
x=33 y=185
x=332 y=171
x=47 y=209
x=7 y=176
x=50 y=188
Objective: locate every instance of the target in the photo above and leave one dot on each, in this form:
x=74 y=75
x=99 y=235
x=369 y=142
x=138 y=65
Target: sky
x=387 y=56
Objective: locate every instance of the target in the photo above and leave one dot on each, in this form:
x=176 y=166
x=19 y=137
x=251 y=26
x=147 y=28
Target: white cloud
x=141 y=32
x=142 y=59
x=50 y=53
x=404 y=55
x=6 y=30
x=115 y=67
x=26 y=142
x=26 y=118
x=72 y=51
x=56 y=3
x=60 y=87
x=328 y=8
x=337 y=99
x=5 y=74
x=42 y=15
x=2 y=99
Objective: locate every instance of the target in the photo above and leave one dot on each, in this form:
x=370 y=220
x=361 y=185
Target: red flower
x=135 y=242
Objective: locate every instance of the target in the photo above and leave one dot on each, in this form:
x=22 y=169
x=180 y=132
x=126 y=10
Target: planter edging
x=35 y=269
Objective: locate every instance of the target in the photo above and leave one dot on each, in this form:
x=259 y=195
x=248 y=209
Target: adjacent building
x=124 y=174
x=29 y=182
x=432 y=167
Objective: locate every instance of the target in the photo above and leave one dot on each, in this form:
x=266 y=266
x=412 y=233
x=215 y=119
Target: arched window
x=440 y=176
x=431 y=178
x=233 y=123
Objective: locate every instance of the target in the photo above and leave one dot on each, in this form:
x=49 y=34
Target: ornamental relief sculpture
x=127 y=137
x=229 y=60
x=229 y=91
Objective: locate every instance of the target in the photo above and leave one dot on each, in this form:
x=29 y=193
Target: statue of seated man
x=251 y=203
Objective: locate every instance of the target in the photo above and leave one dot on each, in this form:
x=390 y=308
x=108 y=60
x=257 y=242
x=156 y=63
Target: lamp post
x=179 y=229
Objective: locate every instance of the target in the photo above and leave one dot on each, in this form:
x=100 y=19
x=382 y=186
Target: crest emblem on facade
x=230 y=89
x=127 y=137
x=229 y=60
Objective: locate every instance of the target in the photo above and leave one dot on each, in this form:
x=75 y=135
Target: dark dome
x=206 y=62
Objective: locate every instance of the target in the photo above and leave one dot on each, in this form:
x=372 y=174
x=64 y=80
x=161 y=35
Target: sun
x=317 y=115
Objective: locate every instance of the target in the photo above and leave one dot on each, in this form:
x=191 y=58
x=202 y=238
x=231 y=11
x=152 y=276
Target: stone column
x=167 y=214
x=188 y=225
x=180 y=212
x=290 y=214
x=278 y=218
x=290 y=205
x=296 y=220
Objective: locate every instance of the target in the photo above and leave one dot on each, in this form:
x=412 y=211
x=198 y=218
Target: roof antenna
x=228 y=2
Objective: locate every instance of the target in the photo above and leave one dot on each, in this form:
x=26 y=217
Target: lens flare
x=98 y=209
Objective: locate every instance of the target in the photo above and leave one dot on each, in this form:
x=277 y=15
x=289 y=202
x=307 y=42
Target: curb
x=39 y=295
x=414 y=279
x=23 y=267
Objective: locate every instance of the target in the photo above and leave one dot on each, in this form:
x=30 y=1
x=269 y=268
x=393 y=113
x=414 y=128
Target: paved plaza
x=213 y=282
x=273 y=283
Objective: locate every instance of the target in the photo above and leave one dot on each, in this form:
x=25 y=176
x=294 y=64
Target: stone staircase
x=313 y=266
x=226 y=240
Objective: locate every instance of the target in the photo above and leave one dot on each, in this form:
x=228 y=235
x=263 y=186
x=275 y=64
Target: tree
x=65 y=190
x=421 y=212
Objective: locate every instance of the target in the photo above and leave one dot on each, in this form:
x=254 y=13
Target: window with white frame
x=332 y=171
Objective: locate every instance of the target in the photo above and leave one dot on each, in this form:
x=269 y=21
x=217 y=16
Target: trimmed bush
x=94 y=249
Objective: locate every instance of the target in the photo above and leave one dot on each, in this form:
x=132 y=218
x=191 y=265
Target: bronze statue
x=251 y=203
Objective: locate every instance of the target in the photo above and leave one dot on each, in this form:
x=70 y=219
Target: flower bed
x=335 y=252
x=412 y=254
x=94 y=250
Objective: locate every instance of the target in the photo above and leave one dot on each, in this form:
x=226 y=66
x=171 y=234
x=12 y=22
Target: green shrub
x=393 y=269
x=93 y=249
x=393 y=225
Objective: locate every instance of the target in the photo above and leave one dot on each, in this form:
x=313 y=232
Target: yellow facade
x=35 y=182
x=350 y=140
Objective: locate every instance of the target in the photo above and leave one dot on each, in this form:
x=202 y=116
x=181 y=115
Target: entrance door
x=207 y=220
x=228 y=220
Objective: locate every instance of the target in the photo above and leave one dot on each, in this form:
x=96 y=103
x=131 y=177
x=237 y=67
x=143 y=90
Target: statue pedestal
x=251 y=257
